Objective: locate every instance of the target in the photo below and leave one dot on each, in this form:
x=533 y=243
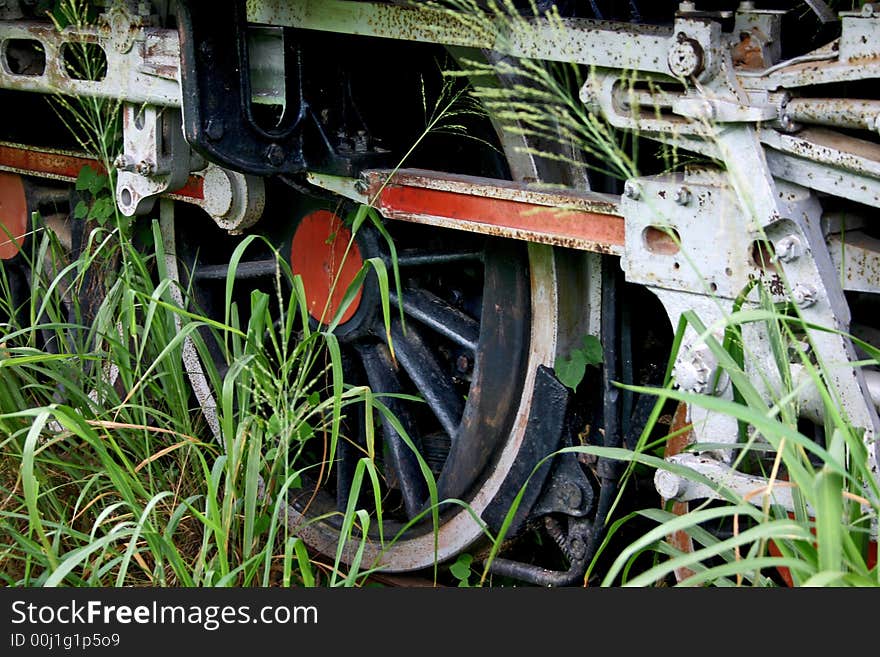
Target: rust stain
x=675 y=445
x=557 y=216
x=45 y=163
x=747 y=53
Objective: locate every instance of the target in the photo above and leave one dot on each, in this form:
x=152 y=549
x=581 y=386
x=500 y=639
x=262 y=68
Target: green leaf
x=461 y=569
x=98 y=183
x=570 y=371
x=829 y=514
x=592 y=350
x=81 y=210
x=314 y=399
x=305 y=431
x=102 y=209
x=261 y=526
x=84 y=178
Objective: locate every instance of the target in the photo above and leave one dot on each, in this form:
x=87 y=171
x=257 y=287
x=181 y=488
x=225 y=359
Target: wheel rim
x=458 y=529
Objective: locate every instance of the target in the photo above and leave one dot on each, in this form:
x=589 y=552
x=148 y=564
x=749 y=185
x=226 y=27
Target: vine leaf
x=570 y=371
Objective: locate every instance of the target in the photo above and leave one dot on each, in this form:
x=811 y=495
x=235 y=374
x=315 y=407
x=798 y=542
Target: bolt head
x=789 y=248
x=570 y=495
x=122 y=162
x=631 y=191
x=145 y=168
x=275 y=155
x=804 y=295
x=690 y=377
x=577 y=549
x=695 y=368
x=214 y=129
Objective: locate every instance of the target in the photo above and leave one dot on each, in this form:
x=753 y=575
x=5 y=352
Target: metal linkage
x=155 y=157
x=763 y=209
x=234 y=200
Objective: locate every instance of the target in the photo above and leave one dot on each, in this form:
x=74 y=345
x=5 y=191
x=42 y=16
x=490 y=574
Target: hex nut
x=275 y=155
x=789 y=248
x=631 y=191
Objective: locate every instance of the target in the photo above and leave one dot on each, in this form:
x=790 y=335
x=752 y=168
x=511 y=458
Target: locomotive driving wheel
x=480 y=315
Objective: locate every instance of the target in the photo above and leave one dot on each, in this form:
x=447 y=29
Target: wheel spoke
x=420 y=258
x=382 y=377
x=428 y=375
x=439 y=316
x=246 y=269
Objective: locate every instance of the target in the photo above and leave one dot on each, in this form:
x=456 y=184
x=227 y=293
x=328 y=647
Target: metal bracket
x=155 y=157
x=567 y=490
x=216 y=93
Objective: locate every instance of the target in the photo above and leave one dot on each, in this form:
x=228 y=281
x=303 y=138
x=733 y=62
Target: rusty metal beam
x=64 y=165
x=580 y=220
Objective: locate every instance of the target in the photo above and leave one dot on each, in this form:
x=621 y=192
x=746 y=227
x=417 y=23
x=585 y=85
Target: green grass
x=119 y=481
x=110 y=475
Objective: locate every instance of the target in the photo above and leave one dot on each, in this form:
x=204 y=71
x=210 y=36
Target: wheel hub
x=13 y=215
x=324 y=254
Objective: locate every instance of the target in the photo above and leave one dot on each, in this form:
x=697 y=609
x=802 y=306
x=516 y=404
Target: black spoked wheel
x=479 y=316
x=455 y=376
